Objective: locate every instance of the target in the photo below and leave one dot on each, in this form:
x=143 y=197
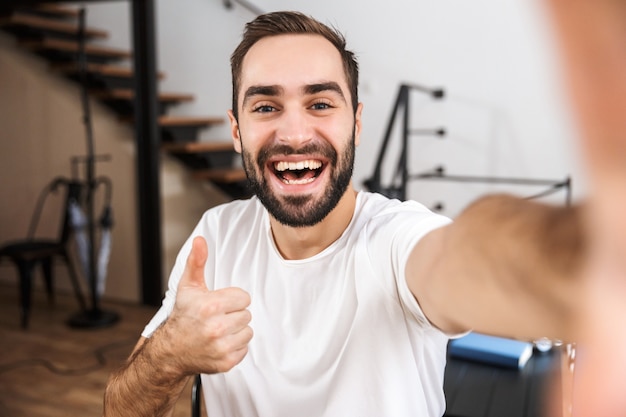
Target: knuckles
x=215 y=330
x=230 y=360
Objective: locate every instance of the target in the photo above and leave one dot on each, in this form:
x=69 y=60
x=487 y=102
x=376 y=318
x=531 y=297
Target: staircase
x=51 y=31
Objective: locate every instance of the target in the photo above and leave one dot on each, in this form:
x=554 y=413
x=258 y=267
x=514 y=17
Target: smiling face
x=296 y=128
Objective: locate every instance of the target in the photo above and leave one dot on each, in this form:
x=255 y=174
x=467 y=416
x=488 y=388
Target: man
x=352 y=297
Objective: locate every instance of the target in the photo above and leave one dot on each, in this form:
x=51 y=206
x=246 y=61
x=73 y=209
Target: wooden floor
x=29 y=388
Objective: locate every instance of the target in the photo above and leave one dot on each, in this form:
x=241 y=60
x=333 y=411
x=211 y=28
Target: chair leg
x=75 y=284
x=46 y=266
x=25 y=271
x=196 y=396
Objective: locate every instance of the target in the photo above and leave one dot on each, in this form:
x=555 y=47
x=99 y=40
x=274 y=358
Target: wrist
x=161 y=354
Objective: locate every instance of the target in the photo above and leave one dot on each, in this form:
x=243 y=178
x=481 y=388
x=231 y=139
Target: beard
x=301 y=210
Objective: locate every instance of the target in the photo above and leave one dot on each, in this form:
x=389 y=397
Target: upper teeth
x=292 y=166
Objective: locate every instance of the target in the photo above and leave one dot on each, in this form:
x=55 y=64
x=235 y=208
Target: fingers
x=231 y=349
x=193 y=275
x=229 y=333
x=600 y=373
x=228 y=361
x=592 y=37
x=223 y=341
x=228 y=300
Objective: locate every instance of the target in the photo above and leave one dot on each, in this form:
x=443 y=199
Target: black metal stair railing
x=402 y=175
x=397 y=189
x=246 y=4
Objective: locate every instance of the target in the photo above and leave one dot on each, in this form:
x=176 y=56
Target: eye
x=263 y=108
x=321 y=105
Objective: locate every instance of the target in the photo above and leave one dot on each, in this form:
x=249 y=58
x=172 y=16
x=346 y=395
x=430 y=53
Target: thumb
x=193 y=275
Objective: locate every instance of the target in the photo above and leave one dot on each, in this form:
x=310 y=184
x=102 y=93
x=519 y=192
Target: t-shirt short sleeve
x=392 y=235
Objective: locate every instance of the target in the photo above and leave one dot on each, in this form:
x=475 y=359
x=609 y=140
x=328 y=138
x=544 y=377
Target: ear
x=234 y=131
x=357 y=124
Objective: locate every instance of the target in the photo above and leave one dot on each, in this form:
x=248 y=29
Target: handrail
x=246 y=4
x=401 y=176
x=402 y=101
x=553 y=185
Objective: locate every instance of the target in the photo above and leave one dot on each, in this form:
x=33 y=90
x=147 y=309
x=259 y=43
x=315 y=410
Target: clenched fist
x=208 y=330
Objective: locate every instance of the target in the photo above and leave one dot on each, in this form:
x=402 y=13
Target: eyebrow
x=261 y=90
x=321 y=87
x=275 y=90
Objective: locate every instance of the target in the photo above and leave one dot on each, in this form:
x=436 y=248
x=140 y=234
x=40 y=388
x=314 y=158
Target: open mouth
x=298 y=173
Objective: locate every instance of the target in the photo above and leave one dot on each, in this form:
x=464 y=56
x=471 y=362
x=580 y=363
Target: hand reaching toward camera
x=592 y=36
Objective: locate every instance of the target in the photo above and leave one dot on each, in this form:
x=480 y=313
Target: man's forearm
x=147 y=385
x=207 y=332
x=531 y=255
x=506 y=266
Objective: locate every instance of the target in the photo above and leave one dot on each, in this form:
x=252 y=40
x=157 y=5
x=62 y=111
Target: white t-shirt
x=338 y=334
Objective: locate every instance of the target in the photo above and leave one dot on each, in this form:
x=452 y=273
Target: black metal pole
x=405 y=144
x=147 y=142
x=90 y=163
x=93 y=317
x=374 y=182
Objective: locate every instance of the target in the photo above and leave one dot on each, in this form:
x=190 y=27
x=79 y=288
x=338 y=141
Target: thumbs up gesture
x=208 y=330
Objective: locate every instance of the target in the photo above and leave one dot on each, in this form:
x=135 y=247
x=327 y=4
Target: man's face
x=296 y=129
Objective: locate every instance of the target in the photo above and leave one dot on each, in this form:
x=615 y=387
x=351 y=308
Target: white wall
x=504 y=110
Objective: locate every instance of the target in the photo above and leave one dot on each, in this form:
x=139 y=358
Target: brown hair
x=280 y=23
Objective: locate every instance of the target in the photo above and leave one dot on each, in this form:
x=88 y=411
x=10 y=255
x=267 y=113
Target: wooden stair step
x=129 y=94
x=73 y=47
x=184 y=129
x=105 y=70
x=199 y=147
x=173 y=122
x=221 y=175
x=188 y=121
x=54 y=9
x=22 y=20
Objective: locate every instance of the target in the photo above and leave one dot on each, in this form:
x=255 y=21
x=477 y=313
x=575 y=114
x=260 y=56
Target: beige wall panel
x=40 y=130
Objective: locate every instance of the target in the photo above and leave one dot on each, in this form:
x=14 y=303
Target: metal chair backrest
x=73 y=192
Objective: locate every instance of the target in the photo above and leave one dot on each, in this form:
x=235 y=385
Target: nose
x=294 y=128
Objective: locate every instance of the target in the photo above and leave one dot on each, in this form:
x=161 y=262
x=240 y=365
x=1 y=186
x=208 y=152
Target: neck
x=304 y=242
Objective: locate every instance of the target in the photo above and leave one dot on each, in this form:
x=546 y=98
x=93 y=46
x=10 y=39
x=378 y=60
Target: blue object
x=492 y=350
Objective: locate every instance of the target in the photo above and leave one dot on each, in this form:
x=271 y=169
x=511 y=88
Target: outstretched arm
x=207 y=332
x=506 y=266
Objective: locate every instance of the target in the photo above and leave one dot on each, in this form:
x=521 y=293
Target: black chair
x=196 y=392
x=27 y=253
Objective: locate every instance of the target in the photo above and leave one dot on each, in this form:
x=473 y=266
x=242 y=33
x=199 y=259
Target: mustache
x=318 y=148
